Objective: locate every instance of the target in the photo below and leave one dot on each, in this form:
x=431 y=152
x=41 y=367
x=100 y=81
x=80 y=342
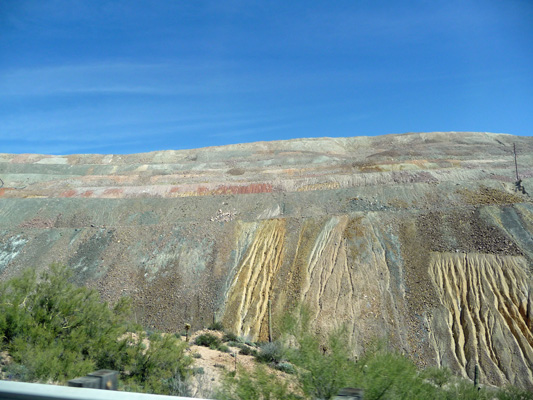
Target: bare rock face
x=421 y=239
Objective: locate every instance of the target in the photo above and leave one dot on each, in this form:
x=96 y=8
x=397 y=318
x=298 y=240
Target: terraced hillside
x=420 y=238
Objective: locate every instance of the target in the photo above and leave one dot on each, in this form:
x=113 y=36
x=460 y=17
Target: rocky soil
x=421 y=238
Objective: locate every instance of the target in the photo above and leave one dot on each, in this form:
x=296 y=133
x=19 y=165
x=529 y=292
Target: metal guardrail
x=36 y=391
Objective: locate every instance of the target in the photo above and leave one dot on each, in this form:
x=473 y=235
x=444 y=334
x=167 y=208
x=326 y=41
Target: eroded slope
x=419 y=238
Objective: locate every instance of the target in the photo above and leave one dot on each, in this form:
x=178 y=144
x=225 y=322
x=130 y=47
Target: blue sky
x=133 y=76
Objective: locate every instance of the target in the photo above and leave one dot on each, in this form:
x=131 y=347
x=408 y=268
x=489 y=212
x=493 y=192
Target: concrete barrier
x=36 y=391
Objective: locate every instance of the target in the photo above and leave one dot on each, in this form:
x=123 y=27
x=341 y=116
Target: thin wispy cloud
x=85 y=79
x=239 y=133
x=92 y=126
x=165 y=79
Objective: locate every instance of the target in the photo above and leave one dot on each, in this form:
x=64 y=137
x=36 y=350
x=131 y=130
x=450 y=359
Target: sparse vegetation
x=223 y=348
x=230 y=337
x=513 y=393
x=271 y=352
x=247 y=351
x=320 y=370
x=286 y=367
x=55 y=331
x=208 y=340
x=216 y=326
x=256 y=385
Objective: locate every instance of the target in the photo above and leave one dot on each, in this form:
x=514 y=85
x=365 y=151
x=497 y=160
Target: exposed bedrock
x=420 y=239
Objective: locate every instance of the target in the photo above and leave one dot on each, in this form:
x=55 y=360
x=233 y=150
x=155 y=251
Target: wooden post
x=270 y=320
x=515 y=162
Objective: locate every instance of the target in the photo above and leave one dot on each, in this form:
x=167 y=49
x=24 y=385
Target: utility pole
x=515 y=163
x=518 y=183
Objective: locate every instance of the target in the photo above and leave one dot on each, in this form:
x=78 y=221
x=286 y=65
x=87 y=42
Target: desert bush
x=57 y=331
x=242 y=346
x=16 y=372
x=286 y=367
x=216 y=326
x=256 y=385
x=223 y=348
x=208 y=340
x=176 y=386
x=386 y=374
x=465 y=390
x=439 y=376
x=320 y=373
x=247 y=351
x=322 y=367
x=230 y=337
x=271 y=352
x=513 y=393
x=161 y=368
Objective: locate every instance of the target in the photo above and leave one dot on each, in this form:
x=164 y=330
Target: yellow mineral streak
x=489 y=311
x=247 y=301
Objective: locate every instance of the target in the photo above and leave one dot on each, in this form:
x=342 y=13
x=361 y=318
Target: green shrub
x=238 y=345
x=386 y=374
x=513 y=393
x=16 y=372
x=324 y=367
x=162 y=369
x=270 y=352
x=230 y=337
x=176 y=386
x=248 y=351
x=216 y=326
x=465 y=390
x=223 y=348
x=321 y=375
x=286 y=367
x=57 y=331
x=208 y=340
x=437 y=376
x=320 y=368
x=256 y=385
